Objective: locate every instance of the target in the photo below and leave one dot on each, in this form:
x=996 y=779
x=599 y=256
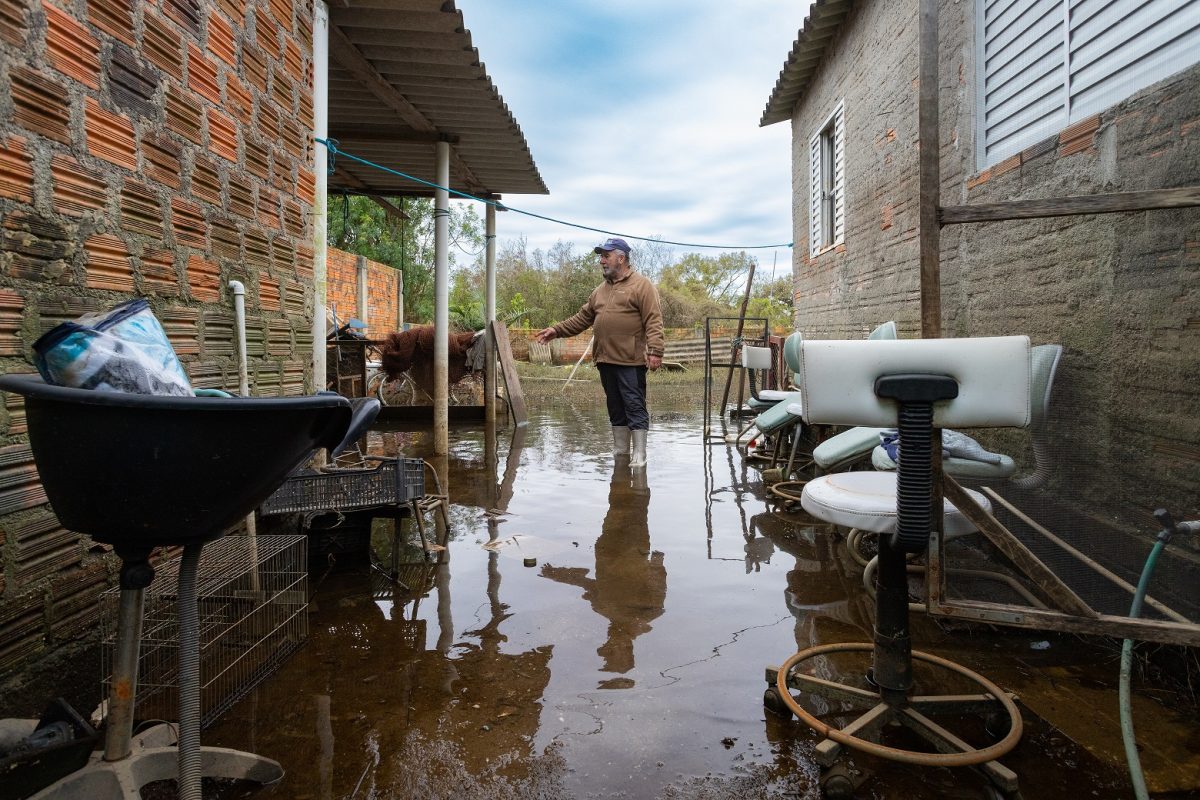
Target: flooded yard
x=601 y=633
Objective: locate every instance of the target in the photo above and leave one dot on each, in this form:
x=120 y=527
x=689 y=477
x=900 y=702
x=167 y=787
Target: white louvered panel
x=1121 y=46
x=1024 y=94
x=814 y=194
x=839 y=175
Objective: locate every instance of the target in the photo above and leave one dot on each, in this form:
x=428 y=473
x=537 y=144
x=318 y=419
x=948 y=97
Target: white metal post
x=320 y=211
x=489 y=314
x=441 y=304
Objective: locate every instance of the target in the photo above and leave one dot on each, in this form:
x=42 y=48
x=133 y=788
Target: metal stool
x=924 y=384
x=139 y=472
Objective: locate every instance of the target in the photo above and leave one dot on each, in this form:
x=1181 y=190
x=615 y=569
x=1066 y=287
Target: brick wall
x=384 y=285
x=1118 y=291
x=155 y=149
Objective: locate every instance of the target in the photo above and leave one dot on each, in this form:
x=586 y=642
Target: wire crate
x=252 y=594
x=390 y=481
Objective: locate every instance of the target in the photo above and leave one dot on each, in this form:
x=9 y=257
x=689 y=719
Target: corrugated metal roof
x=824 y=19
x=403 y=75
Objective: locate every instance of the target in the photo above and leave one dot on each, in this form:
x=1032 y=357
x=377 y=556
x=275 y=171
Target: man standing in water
x=628 y=333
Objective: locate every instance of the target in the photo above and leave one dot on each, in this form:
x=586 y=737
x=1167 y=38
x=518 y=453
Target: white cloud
x=643 y=116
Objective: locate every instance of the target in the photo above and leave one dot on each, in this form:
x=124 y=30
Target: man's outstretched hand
x=545 y=335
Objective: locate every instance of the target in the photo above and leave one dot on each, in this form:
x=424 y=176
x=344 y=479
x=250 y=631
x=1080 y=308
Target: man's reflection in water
x=630 y=582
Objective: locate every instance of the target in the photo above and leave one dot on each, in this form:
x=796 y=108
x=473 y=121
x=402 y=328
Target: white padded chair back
x=756 y=357
x=993 y=374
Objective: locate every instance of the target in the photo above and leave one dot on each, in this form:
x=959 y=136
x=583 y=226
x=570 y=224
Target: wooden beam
x=1003 y=540
x=929 y=182
x=349 y=58
x=379 y=200
x=1144 y=630
x=516 y=397
x=1114 y=202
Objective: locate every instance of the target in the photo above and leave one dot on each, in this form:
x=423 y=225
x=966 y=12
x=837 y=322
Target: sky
x=642 y=117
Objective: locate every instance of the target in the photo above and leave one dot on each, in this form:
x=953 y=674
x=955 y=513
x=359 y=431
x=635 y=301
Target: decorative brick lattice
x=70 y=48
x=114 y=17
x=204 y=279
x=38 y=249
x=110 y=136
x=76 y=190
x=38 y=105
x=108 y=264
x=188 y=223
x=12 y=308
x=158 y=273
x=16 y=173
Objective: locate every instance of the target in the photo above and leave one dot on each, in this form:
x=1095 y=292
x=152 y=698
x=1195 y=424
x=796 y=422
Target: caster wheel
x=996 y=725
x=774 y=703
x=837 y=786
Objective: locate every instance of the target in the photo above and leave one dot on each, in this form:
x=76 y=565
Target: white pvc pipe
x=489 y=314
x=361 y=280
x=441 y=304
x=239 y=325
x=320 y=212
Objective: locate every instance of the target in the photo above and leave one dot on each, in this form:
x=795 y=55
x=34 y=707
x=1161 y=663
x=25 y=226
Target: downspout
x=361 y=279
x=239 y=325
x=320 y=211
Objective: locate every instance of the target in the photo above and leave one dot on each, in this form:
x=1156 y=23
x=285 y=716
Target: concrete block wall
x=155 y=148
x=1118 y=291
x=384 y=285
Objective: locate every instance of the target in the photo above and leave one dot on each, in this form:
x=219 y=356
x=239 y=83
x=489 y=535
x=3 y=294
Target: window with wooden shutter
x=1045 y=64
x=827 y=182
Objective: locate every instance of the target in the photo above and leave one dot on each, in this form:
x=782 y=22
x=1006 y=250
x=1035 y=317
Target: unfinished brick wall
x=383 y=288
x=155 y=149
x=1118 y=291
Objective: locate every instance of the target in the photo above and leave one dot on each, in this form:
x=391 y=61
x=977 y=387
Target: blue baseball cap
x=610 y=245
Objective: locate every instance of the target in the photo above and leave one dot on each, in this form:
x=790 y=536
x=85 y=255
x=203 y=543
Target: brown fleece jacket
x=627 y=321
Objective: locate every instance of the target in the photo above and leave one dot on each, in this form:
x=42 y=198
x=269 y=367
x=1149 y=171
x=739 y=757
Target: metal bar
x=955 y=703
x=830 y=690
x=1093 y=564
x=946 y=742
x=827 y=750
x=1112 y=202
x=1033 y=568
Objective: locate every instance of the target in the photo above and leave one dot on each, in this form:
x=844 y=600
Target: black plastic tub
x=146 y=471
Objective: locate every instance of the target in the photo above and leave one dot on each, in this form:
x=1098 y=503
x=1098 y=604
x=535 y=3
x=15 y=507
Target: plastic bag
x=122 y=350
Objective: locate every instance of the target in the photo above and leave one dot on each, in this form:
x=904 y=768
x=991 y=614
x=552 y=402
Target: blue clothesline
x=332 y=146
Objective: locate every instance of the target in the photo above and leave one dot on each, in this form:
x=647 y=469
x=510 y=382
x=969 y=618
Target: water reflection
x=629 y=585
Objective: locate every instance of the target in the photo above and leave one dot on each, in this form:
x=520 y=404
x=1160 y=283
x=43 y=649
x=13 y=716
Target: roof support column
x=441 y=304
x=489 y=313
x=320 y=211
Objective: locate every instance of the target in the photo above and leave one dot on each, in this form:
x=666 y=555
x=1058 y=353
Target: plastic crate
x=390 y=482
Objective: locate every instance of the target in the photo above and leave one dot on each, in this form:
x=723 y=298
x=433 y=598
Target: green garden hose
x=1131 y=754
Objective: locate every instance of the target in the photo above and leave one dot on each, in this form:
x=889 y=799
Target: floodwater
x=628 y=661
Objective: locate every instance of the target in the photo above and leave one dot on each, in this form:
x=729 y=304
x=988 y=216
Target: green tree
x=360 y=225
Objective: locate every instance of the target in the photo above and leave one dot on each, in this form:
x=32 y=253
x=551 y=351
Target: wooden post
x=741 y=324
x=489 y=315
x=929 y=184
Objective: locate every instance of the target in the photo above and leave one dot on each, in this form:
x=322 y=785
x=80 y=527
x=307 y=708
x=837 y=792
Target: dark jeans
x=625 y=389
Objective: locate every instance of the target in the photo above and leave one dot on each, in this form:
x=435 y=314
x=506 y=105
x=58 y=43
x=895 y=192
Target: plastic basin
x=142 y=471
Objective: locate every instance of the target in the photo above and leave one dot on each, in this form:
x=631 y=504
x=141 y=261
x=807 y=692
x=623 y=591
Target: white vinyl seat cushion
x=867 y=501
x=774 y=394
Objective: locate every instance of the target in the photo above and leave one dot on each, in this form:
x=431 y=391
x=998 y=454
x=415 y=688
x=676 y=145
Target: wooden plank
x=929 y=183
x=1182 y=197
x=1143 y=630
x=1003 y=540
x=1090 y=562
x=516 y=397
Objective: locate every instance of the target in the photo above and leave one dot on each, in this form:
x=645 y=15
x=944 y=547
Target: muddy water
x=626 y=662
